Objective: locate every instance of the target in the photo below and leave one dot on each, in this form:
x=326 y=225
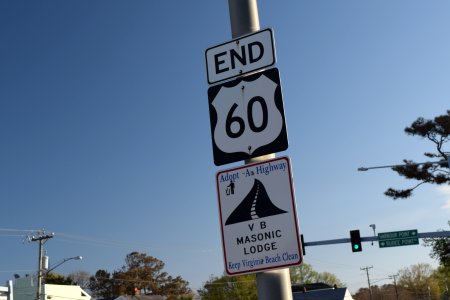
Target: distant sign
x=258 y=217
x=247 y=117
x=240 y=56
x=398 y=238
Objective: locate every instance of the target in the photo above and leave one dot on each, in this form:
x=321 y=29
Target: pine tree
x=438 y=132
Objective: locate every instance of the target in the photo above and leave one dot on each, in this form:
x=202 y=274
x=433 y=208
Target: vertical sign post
x=244 y=19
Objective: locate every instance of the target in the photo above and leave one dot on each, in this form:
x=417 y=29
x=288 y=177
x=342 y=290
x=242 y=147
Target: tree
x=305 y=274
x=384 y=292
x=244 y=286
x=438 y=132
x=440 y=249
x=55 y=278
x=173 y=287
x=223 y=288
x=101 y=284
x=141 y=273
x=330 y=279
x=419 y=279
x=80 y=278
x=442 y=276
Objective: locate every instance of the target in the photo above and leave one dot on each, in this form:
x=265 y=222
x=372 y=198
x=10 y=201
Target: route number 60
x=251 y=122
x=247 y=117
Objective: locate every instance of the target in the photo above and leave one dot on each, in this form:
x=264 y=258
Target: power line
x=11 y=271
x=19 y=230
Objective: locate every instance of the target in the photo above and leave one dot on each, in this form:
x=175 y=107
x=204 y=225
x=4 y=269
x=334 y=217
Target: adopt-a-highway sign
x=258 y=217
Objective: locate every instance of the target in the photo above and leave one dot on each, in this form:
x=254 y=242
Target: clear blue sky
x=105 y=134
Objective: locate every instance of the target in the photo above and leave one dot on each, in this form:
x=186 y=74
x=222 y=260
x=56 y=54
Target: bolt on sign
x=258 y=217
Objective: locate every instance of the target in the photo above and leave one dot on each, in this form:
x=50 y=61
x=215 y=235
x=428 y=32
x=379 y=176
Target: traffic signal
x=355 y=240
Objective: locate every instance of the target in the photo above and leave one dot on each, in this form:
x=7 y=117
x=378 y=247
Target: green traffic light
x=355 y=240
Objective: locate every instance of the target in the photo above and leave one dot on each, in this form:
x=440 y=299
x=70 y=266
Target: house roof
x=310 y=286
x=328 y=294
x=140 y=297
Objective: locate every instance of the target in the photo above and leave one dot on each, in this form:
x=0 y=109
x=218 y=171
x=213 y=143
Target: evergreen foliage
x=141 y=273
x=225 y=288
x=55 y=278
x=438 y=132
x=440 y=249
x=305 y=274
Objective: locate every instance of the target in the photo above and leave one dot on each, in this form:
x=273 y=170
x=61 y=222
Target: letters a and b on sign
x=240 y=56
x=247 y=117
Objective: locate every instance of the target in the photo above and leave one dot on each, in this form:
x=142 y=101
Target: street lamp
x=61 y=262
x=441 y=162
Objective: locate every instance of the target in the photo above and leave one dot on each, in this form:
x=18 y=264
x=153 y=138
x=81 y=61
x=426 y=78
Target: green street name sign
x=398 y=238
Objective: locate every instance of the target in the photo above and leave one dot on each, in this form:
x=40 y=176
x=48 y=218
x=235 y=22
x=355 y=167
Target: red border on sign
x=255 y=270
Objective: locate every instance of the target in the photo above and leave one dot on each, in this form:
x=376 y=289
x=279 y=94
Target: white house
x=64 y=292
x=26 y=289
x=329 y=294
x=6 y=291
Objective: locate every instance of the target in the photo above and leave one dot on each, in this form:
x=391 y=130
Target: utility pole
x=41 y=238
x=368 y=279
x=395 y=283
x=274 y=284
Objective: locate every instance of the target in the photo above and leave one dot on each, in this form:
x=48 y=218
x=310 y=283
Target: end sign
x=240 y=56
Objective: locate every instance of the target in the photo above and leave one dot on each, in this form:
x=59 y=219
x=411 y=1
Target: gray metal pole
x=244 y=17
x=274 y=284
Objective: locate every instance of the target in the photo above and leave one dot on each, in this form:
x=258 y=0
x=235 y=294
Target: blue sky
x=105 y=134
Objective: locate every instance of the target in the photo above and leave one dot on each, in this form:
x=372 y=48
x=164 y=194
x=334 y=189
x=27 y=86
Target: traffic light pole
x=422 y=235
x=274 y=284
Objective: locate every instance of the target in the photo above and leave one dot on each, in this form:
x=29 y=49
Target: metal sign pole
x=244 y=19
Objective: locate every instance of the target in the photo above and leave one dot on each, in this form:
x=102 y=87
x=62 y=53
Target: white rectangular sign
x=258 y=217
x=240 y=56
